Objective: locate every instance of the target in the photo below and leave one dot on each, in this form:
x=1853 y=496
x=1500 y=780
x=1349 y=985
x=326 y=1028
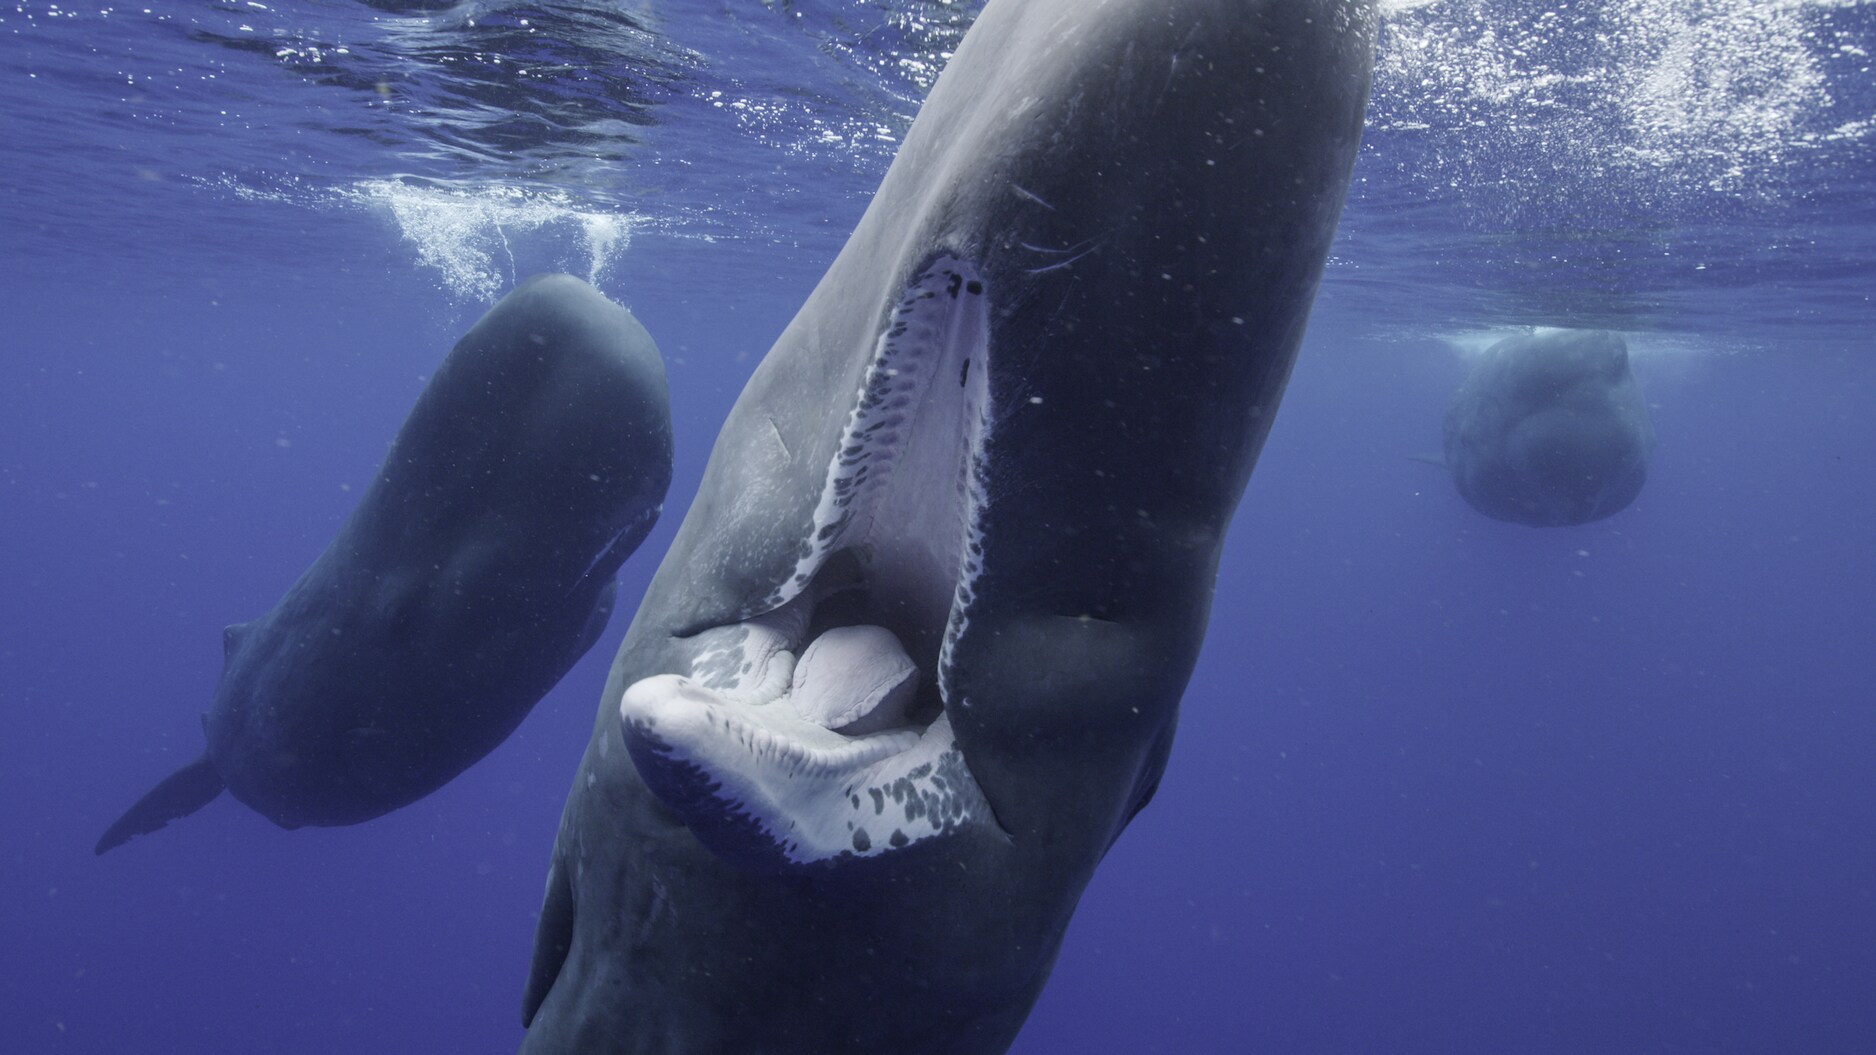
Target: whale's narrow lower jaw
x=815 y=729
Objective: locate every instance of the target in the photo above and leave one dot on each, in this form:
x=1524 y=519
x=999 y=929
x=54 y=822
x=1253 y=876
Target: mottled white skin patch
x=807 y=742
x=753 y=660
x=815 y=794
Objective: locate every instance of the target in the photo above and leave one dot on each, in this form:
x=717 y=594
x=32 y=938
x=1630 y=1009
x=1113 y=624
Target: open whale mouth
x=815 y=727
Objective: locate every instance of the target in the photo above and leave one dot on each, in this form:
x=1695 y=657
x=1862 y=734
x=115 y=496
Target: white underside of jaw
x=813 y=794
x=808 y=742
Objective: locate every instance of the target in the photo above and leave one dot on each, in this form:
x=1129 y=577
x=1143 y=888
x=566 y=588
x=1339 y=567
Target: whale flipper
x=553 y=936
x=601 y=615
x=181 y=793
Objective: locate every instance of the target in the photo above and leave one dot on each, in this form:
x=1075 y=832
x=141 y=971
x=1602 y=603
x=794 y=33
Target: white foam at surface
x=464 y=234
x=1722 y=87
x=468 y=235
x=1666 y=98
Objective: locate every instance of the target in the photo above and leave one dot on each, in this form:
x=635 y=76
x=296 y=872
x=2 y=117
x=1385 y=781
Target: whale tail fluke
x=181 y=793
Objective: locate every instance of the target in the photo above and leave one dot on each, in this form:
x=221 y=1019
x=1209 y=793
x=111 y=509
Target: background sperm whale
x=1550 y=429
x=477 y=568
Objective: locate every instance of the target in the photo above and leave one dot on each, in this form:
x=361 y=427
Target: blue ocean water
x=1443 y=785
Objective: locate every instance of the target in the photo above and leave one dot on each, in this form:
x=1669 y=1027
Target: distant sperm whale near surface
x=1550 y=429
x=477 y=568
x=915 y=656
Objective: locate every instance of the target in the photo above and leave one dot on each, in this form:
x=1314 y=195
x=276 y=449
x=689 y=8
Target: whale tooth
x=854 y=679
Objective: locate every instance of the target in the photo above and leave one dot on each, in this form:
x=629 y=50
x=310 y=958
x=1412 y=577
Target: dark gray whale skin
x=477 y=567
x=1550 y=429
x=1145 y=191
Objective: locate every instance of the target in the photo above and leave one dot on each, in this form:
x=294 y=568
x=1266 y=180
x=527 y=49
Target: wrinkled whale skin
x=478 y=566
x=1145 y=191
x=1550 y=429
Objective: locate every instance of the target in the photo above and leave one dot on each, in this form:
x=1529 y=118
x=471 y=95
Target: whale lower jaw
x=815 y=729
x=769 y=791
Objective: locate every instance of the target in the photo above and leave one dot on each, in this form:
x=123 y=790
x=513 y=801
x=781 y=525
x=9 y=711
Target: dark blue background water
x=1443 y=785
